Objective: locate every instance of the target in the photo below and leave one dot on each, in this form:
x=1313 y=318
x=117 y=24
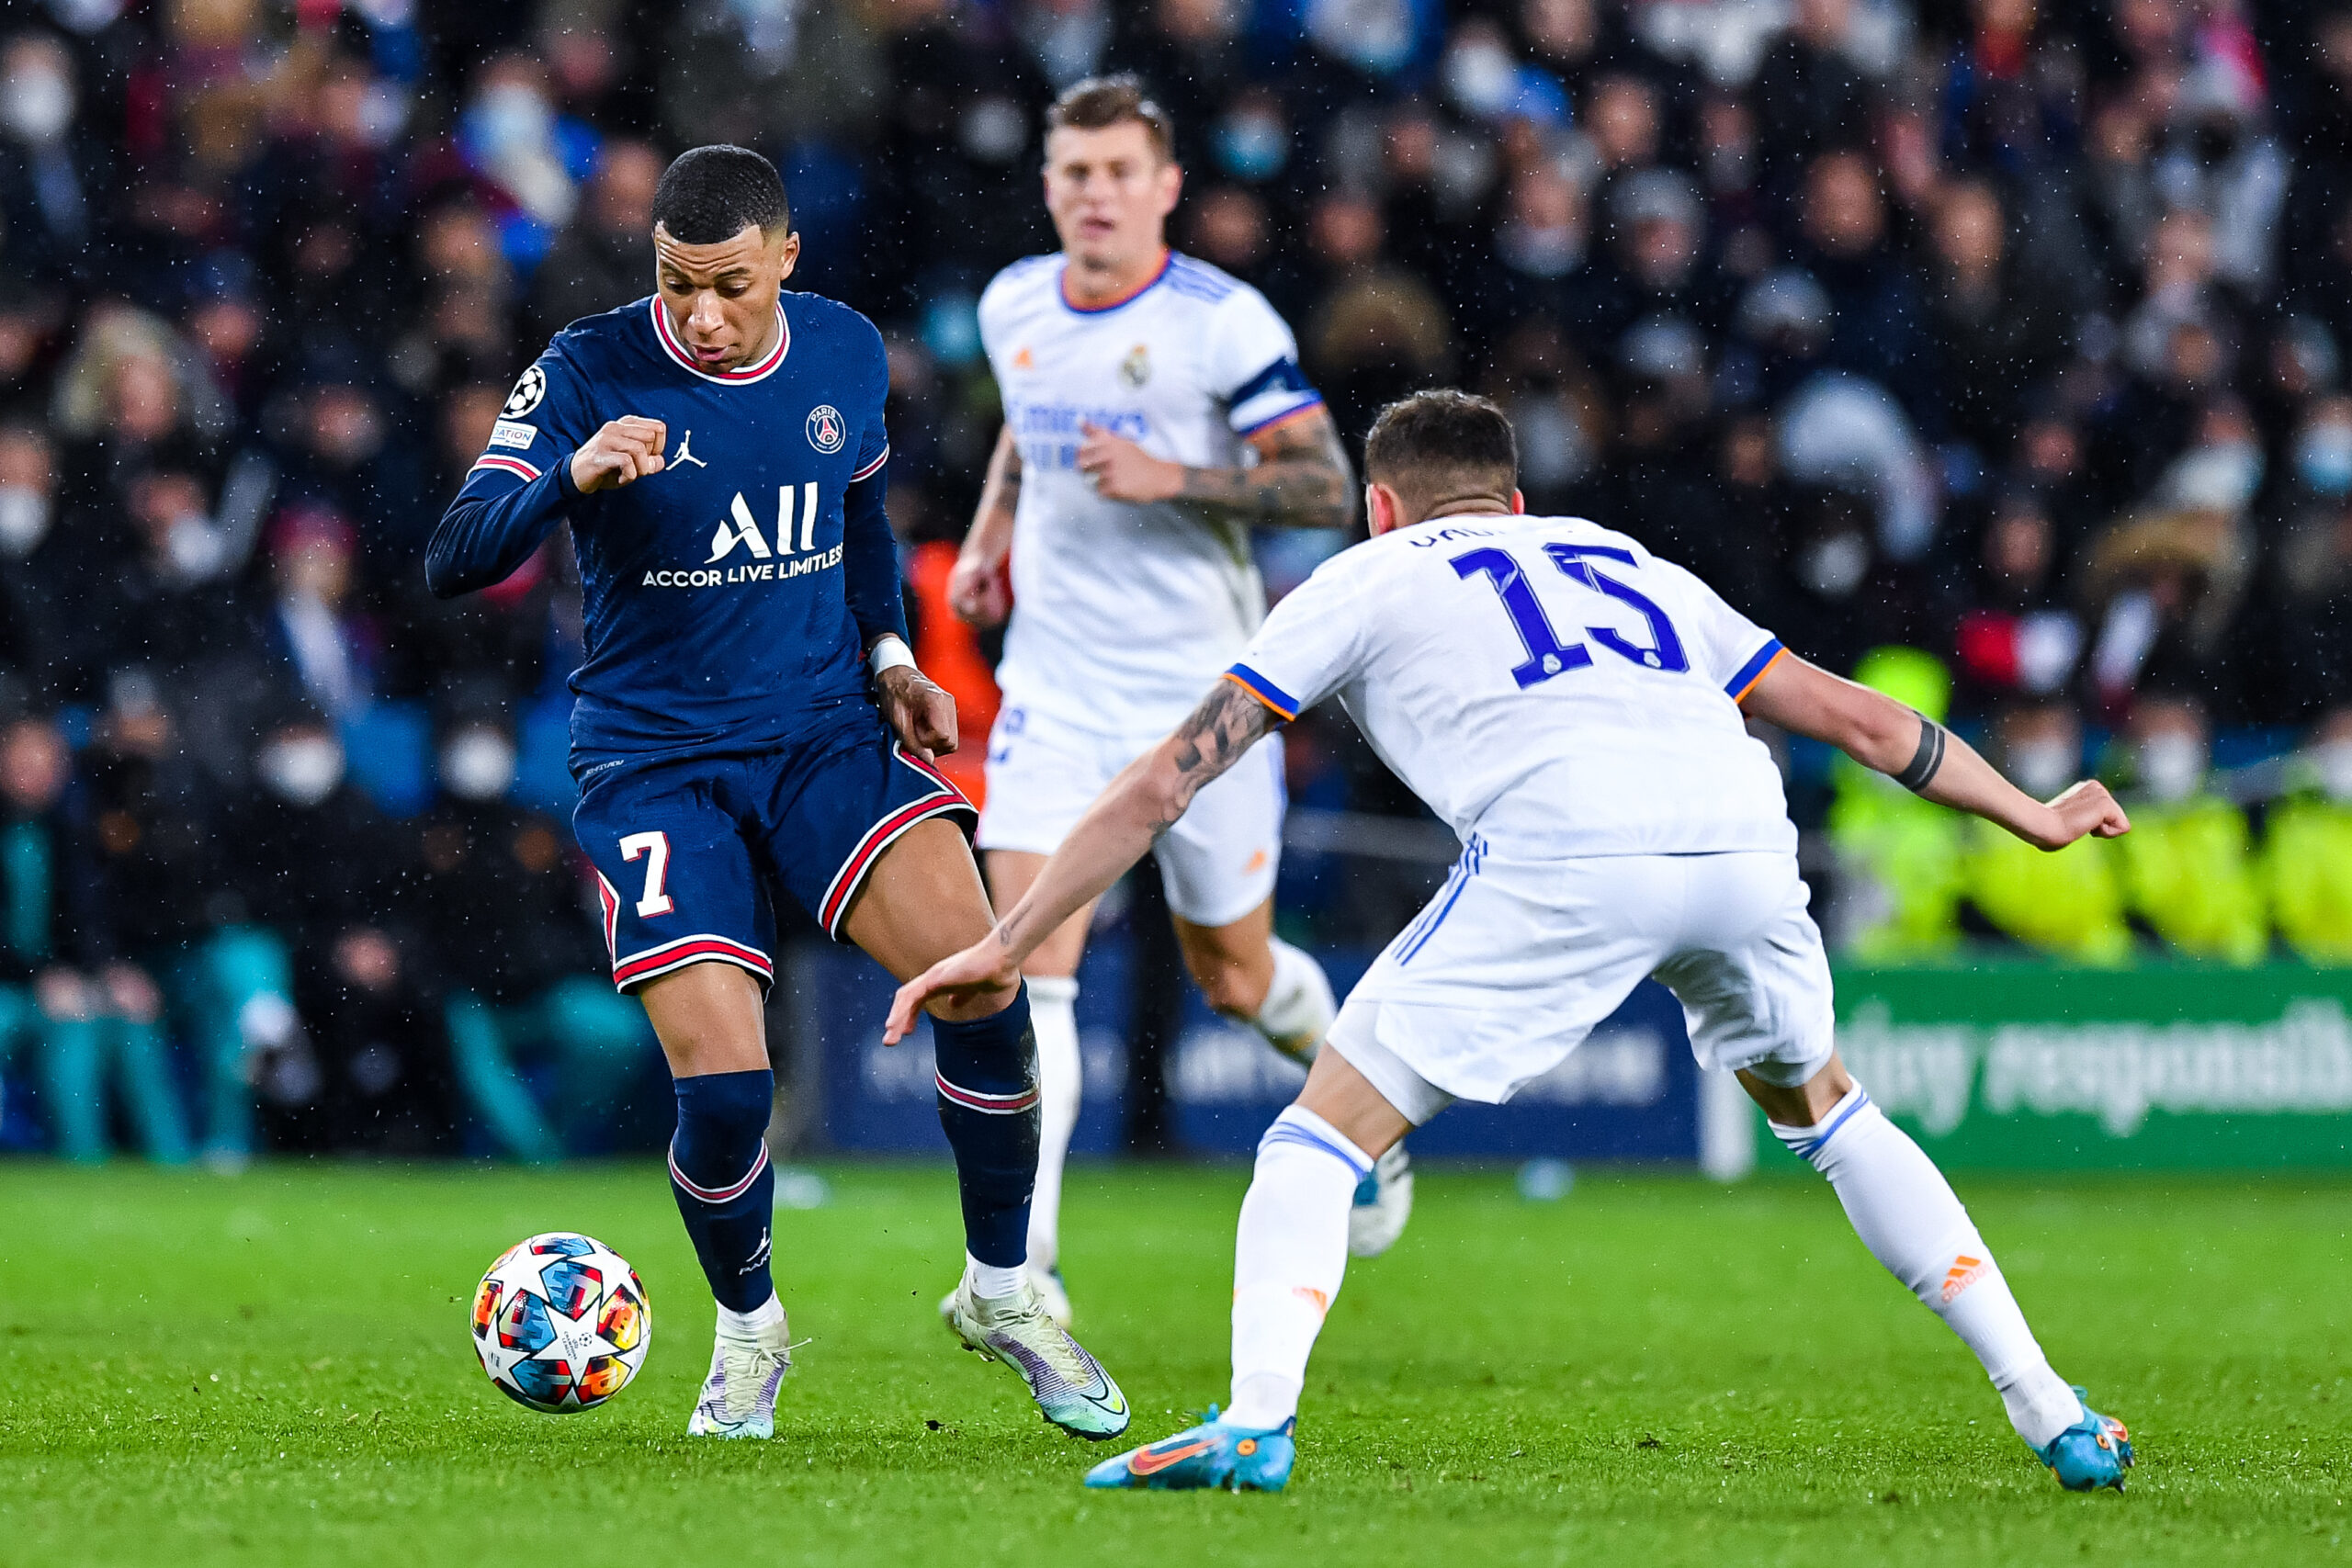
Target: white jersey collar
x=1061 y=288
x=747 y=375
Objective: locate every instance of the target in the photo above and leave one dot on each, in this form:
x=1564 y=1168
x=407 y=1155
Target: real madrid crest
x=1135 y=368
x=827 y=430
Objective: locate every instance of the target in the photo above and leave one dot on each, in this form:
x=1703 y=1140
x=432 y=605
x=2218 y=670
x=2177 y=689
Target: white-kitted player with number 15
x=1575 y=709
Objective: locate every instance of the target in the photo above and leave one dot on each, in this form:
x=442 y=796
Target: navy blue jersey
x=729 y=598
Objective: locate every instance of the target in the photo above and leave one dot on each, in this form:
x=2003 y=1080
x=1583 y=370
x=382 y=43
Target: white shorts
x=1511 y=966
x=1218 y=861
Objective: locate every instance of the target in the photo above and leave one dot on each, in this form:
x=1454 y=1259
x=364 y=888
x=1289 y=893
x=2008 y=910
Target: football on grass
x=561 y=1323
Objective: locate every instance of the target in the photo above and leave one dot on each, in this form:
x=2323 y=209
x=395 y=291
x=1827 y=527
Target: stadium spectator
x=66 y=986
x=605 y=254
x=2306 y=859
x=366 y=1068
x=2188 y=861
x=2070 y=904
x=161 y=864
x=1900 y=858
x=505 y=899
x=2013 y=334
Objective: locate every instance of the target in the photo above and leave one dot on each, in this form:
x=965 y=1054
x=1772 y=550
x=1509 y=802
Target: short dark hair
x=1439 y=443
x=1100 y=102
x=708 y=194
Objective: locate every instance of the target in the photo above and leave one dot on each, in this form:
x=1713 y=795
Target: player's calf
x=986 y=1081
x=1913 y=1222
x=725 y=1193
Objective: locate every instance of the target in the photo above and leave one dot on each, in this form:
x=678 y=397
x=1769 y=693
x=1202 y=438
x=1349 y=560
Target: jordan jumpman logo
x=685 y=453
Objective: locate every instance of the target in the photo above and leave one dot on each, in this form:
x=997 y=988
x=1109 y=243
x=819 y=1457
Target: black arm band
x=1927 y=759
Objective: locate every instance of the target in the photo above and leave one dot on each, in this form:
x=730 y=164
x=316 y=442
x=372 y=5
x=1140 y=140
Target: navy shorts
x=688 y=850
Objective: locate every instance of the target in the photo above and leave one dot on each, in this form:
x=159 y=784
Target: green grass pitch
x=275 y=1369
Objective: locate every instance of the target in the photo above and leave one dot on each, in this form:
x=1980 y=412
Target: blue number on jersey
x=1546 y=654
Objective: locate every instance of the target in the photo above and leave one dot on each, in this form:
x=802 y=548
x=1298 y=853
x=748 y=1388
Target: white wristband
x=890 y=652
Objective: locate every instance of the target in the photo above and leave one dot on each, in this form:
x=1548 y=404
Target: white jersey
x=1122 y=612
x=1547 y=685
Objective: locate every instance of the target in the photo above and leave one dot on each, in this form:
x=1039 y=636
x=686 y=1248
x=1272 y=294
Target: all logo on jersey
x=828 y=432
x=1135 y=368
x=793 y=552
x=527 y=393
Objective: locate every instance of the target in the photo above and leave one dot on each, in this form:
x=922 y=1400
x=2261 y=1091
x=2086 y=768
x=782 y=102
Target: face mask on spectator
x=2333 y=760
x=1376 y=36
x=1482 y=78
x=1252 y=146
x=478 y=765
x=1834 y=566
x=2323 y=458
x=197 y=550
x=24 y=520
x=2041 y=767
x=303 y=771
x=2171 y=767
x=510 y=118
x=38 y=105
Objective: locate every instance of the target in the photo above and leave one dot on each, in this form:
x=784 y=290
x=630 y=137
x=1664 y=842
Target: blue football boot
x=1214 y=1457
x=2093 y=1452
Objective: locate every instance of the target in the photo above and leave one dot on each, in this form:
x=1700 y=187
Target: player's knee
x=966 y=1010
x=1228 y=983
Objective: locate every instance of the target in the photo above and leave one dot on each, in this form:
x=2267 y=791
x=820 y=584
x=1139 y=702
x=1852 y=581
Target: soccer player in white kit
x=1573 y=707
x=1154 y=413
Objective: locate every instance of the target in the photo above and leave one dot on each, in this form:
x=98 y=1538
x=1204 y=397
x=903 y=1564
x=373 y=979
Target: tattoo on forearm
x=1228 y=723
x=1301 y=480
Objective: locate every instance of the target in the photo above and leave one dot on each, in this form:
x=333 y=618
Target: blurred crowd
x=1991 y=350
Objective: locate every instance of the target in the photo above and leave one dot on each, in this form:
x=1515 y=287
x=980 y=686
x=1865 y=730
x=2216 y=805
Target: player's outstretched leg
x=725 y=1193
x=989 y=1106
x=1052 y=1003
x=1297 y=1013
x=1290 y=1253
x=1907 y=1214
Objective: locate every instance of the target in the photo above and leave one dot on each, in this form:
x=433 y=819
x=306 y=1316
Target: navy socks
x=725 y=1193
x=988 y=1104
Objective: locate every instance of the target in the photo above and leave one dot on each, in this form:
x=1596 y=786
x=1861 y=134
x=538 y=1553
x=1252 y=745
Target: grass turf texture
x=276 y=1369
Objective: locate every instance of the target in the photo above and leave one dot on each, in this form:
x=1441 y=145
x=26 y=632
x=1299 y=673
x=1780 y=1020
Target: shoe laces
x=1023 y=1321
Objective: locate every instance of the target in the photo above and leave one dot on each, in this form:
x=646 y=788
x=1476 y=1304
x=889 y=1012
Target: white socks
x=1053 y=1016
x=1298 y=1009
x=1907 y=1214
x=747 y=1324
x=1288 y=1258
x=990 y=1281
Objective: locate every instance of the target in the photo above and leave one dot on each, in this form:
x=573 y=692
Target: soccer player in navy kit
x=748 y=722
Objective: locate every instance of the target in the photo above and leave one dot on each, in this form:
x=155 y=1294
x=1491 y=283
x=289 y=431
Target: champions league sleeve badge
x=827 y=430
x=527 y=393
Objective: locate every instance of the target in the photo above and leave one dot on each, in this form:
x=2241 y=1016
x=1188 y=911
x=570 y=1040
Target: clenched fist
x=627 y=449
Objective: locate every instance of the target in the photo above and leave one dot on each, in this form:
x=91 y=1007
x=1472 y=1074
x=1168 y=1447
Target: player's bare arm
x=1302 y=477
x=977 y=587
x=1117 y=830
x=1881 y=733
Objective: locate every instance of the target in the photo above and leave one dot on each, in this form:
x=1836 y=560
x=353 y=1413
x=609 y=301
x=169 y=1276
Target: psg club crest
x=827 y=430
x=527 y=393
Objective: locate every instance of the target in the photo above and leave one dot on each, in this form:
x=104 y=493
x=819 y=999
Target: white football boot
x=1070 y=1387
x=1053 y=1296
x=739 y=1396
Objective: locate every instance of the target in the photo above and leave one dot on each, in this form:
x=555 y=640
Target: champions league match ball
x=561 y=1323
